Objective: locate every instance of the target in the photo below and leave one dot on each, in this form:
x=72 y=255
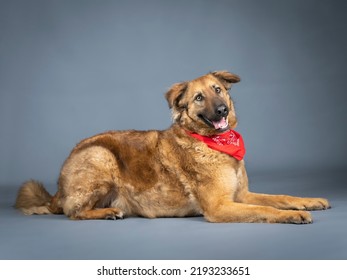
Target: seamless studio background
x=71 y=69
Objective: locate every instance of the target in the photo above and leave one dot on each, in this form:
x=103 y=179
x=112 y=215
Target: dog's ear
x=175 y=94
x=226 y=78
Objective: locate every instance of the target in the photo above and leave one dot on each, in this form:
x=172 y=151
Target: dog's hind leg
x=86 y=207
x=87 y=203
x=87 y=185
x=101 y=213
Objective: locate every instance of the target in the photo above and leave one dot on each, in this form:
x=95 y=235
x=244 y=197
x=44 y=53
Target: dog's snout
x=222 y=110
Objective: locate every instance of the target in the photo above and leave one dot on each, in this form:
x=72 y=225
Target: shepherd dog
x=193 y=168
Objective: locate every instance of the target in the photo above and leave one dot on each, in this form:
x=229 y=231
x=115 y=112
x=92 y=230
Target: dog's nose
x=222 y=110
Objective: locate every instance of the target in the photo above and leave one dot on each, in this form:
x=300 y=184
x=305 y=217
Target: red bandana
x=229 y=142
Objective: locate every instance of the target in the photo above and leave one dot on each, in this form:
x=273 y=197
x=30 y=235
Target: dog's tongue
x=220 y=124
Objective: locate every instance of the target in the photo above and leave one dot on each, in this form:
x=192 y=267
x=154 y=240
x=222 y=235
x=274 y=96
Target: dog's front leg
x=285 y=201
x=233 y=212
x=221 y=209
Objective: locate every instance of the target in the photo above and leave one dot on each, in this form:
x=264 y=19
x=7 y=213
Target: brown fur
x=165 y=173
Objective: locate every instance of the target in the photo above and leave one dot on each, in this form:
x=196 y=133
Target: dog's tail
x=33 y=198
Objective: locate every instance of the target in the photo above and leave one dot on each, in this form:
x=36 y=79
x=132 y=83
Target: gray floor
x=56 y=237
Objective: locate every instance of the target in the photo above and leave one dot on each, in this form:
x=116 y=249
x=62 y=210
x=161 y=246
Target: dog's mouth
x=220 y=125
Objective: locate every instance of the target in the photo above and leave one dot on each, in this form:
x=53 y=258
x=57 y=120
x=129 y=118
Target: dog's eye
x=199 y=97
x=217 y=89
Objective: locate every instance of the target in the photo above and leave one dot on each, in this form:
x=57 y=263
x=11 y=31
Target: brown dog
x=170 y=173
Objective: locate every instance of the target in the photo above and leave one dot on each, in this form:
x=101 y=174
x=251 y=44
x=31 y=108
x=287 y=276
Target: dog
x=193 y=168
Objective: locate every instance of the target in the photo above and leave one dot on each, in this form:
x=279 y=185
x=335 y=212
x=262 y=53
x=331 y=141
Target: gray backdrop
x=71 y=69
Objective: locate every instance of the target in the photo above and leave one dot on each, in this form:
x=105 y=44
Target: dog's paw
x=114 y=214
x=297 y=217
x=319 y=204
x=314 y=204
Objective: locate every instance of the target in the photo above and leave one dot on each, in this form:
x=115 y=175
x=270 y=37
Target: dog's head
x=204 y=105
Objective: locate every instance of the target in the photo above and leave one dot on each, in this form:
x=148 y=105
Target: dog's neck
x=229 y=142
